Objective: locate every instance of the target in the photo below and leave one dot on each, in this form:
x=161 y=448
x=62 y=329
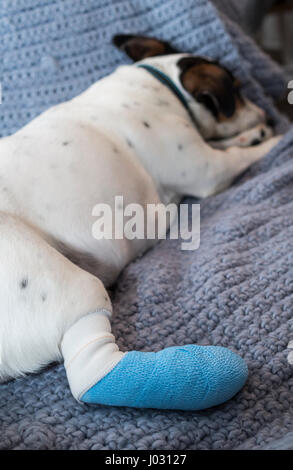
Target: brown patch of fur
x=217 y=81
x=239 y=104
x=200 y=76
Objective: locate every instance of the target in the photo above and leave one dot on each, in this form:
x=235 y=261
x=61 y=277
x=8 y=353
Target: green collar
x=165 y=80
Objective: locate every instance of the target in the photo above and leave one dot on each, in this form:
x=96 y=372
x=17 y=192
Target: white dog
x=133 y=134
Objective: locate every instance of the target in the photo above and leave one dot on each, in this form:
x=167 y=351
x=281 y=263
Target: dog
x=169 y=125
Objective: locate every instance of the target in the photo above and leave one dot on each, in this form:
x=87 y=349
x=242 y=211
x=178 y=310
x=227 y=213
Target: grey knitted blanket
x=235 y=291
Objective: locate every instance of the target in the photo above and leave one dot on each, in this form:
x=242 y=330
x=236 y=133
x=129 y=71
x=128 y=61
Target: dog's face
x=213 y=92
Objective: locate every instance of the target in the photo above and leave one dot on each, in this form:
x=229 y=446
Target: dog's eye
x=210 y=102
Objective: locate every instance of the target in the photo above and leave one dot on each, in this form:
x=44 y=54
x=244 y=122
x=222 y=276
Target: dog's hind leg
x=51 y=308
x=42 y=294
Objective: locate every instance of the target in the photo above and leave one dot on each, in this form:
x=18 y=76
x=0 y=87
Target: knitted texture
x=233 y=9
x=53 y=50
x=236 y=291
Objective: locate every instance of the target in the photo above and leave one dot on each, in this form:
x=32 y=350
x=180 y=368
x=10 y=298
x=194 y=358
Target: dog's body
x=127 y=135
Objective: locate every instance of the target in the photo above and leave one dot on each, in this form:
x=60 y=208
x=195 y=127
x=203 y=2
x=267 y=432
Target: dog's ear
x=141 y=47
x=186 y=62
x=209 y=84
x=210 y=101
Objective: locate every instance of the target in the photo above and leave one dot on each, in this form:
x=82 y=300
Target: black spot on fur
x=129 y=143
x=125 y=105
x=146 y=124
x=44 y=297
x=65 y=143
x=24 y=283
x=262 y=134
x=255 y=142
x=180 y=147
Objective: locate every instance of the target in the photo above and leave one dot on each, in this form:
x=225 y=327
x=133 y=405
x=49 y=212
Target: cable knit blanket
x=235 y=291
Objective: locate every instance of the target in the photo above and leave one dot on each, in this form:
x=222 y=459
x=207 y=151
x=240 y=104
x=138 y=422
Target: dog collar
x=165 y=80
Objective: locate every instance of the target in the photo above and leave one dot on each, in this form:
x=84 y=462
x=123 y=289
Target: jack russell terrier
x=170 y=125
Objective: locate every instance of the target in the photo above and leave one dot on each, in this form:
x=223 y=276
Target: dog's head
x=213 y=92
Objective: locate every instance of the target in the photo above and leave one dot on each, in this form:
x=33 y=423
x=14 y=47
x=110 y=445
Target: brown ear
x=210 y=84
x=141 y=47
x=186 y=62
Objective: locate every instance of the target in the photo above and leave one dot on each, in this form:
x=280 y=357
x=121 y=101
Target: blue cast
x=181 y=378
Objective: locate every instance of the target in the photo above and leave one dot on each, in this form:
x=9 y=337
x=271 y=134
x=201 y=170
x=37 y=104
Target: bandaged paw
x=182 y=378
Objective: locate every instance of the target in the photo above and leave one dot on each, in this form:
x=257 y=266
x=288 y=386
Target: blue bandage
x=183 y=378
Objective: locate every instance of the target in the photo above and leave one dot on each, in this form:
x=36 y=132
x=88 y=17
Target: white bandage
x=89 y=351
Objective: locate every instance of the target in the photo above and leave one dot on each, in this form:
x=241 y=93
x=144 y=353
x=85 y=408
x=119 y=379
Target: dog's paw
x=255 y=136
x=290 y=355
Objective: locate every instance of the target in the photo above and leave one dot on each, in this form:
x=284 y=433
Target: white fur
x=126 y=135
